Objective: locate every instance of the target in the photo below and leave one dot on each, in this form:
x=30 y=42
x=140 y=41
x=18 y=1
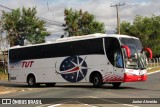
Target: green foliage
x=81 y=23
x=3 y=75
x=147 y=29
x=23 y=24
x=1 y=70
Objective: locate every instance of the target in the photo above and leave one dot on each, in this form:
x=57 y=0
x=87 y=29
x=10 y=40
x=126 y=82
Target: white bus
x=95 y=58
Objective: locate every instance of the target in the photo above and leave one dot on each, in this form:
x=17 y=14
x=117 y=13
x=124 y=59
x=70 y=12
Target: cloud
x=100 y=8
x=145 y=8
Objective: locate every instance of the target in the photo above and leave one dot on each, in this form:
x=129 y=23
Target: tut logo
x=21 y=64
x=26 y=64
x=73 y=69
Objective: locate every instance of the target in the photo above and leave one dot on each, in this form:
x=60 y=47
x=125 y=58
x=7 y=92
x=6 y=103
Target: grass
x=154 y=69
x=3 y=76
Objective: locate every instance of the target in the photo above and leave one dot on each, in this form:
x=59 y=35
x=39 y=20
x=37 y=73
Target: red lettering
x=27 y=64
x=23 y=63
x=31 y=62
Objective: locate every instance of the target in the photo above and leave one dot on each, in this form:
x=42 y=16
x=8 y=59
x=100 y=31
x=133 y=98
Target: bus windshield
x=138 y=59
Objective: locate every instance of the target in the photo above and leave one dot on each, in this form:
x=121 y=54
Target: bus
x=95 y=58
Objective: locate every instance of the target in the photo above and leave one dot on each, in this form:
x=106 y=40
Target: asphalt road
x=147 y=89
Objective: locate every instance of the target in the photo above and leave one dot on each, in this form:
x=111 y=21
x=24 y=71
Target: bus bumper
x=134 y=78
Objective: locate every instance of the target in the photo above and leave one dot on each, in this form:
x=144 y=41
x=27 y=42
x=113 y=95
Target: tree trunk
x=4 y=62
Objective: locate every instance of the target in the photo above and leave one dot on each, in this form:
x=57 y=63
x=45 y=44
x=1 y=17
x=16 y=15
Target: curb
x=153 y=72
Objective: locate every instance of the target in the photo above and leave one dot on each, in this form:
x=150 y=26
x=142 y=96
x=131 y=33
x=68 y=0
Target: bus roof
x=76 y=38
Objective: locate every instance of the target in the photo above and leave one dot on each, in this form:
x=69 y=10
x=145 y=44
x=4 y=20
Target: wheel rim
x=96 y=80
x=31 y=81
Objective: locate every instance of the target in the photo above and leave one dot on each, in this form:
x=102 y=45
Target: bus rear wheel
x=31 y=81
x=97 y=80
x=116 y=84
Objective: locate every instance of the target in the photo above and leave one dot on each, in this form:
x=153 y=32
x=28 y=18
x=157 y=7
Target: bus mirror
x=128 y=52
x=150 y=52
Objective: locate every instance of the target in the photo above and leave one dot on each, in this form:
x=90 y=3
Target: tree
x=81 y=23
x=23 y=24
x=147 y=29
x=3 y=48
x=125 y=28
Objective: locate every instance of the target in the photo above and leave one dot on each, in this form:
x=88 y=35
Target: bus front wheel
x=116 y=84
x=31 y=81
x=97 y=80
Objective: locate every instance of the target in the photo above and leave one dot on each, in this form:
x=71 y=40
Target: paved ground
x=147 y=89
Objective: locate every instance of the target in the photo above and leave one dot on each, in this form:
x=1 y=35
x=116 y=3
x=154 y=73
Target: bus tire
x=50 y=84
x=97 y=80
x=31 y=80
x=116 y=85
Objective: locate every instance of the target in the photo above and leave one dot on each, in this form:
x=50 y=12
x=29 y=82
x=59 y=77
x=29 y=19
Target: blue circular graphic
x=73 y=69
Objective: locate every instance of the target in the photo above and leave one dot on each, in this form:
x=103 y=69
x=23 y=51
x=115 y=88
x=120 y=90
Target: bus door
x=118 y=71
x=115 y=59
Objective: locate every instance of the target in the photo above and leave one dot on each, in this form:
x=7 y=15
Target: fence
x=155 y=62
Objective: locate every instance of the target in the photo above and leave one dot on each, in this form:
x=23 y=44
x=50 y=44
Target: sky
x=54 y=10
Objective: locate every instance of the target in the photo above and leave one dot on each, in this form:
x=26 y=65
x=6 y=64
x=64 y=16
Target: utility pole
x=118 y=19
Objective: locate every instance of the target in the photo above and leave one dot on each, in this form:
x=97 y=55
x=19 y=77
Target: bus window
x=137 y=59
x=118 y=61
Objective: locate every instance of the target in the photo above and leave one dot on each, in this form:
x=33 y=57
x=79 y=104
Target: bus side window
x=109 y=47
x=87 y=47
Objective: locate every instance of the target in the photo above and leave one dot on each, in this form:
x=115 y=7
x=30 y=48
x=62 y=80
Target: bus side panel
x=16 y=75
x=58 y=69
x=54 y=71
